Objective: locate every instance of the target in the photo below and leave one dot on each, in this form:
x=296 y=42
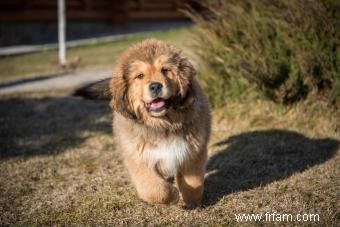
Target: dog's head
x=150 y=80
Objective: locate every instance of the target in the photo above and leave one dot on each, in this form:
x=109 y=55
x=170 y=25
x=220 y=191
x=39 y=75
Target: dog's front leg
x=190 y=181
x=150 y=186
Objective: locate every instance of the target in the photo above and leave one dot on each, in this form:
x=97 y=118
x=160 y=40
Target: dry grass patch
x=59 y=165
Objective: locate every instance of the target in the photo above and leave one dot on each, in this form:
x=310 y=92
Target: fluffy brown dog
x=161 y=122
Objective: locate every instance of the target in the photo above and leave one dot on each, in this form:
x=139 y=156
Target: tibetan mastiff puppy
x=161 y=121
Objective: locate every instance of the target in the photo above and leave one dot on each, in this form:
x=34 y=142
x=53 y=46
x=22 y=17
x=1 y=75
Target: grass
x=285 y=50
x=59 y=165
x=96 y=56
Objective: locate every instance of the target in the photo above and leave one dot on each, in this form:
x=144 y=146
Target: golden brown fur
x=161 y=132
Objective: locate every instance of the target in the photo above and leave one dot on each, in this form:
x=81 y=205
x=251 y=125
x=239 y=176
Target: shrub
x=285 y=49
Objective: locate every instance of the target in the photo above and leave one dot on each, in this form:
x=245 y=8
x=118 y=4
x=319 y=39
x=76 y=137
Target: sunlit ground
x=59 y=164
x=89 y=57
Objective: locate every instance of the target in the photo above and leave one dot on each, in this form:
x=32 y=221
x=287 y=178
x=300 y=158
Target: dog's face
x=153 y=85
x=151 y=79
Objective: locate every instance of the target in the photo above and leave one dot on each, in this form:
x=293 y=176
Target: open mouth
x=157 y=105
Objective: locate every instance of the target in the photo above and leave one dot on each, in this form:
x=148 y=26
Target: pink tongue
x=157 y=104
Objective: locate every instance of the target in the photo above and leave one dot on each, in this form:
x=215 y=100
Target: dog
x=161 y=121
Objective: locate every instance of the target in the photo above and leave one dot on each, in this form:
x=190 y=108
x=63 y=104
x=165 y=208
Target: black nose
x=155 y=87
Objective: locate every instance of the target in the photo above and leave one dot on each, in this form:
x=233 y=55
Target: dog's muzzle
x=155 y=89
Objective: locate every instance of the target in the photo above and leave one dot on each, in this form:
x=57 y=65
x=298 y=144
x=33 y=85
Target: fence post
x=61 y=32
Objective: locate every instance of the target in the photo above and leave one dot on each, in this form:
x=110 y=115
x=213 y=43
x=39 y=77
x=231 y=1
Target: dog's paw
x=192 y=205
x=174 y=195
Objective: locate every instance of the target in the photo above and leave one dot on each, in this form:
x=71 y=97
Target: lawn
x=89 y=57
x=59 y=164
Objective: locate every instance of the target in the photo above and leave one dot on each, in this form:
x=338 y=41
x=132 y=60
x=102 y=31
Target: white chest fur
x=171 y=153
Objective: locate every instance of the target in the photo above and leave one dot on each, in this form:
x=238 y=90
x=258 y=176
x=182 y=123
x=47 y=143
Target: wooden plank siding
x=91 y=10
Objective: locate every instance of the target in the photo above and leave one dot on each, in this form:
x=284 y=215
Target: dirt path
x=71 y=80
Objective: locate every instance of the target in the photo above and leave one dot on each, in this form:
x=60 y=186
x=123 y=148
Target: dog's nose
x=155 y=87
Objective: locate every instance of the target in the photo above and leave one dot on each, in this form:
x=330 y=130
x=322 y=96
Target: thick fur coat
x=161 y=122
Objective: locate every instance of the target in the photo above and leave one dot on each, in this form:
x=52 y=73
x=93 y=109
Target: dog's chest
x=168 y=155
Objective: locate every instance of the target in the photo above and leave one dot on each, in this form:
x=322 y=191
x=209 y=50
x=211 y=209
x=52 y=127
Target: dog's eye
x=140 y=76
x=165 y=71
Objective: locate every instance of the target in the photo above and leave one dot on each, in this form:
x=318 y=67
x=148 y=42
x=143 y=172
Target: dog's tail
x=99 y=90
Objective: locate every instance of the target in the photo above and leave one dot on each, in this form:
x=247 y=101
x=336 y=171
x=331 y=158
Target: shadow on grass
x=48 y=125
x=253 y=159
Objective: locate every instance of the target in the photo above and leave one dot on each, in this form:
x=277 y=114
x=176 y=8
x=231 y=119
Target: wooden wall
x=91 y=10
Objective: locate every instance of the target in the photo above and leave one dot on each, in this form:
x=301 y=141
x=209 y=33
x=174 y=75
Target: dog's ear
x=186 y=73
x=119 y=94
x=97 y=90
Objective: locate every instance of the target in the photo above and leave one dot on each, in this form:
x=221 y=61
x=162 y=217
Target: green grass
x=59 y=165
x=283 y=49
x=89 y=57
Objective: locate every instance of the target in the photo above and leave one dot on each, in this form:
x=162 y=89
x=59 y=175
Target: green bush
x=285 y=49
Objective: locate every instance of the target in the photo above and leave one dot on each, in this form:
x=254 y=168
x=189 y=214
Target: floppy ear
x=186 y=74
x=119 y=93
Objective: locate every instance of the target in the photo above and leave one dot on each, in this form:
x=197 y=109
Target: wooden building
x=116 y=11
